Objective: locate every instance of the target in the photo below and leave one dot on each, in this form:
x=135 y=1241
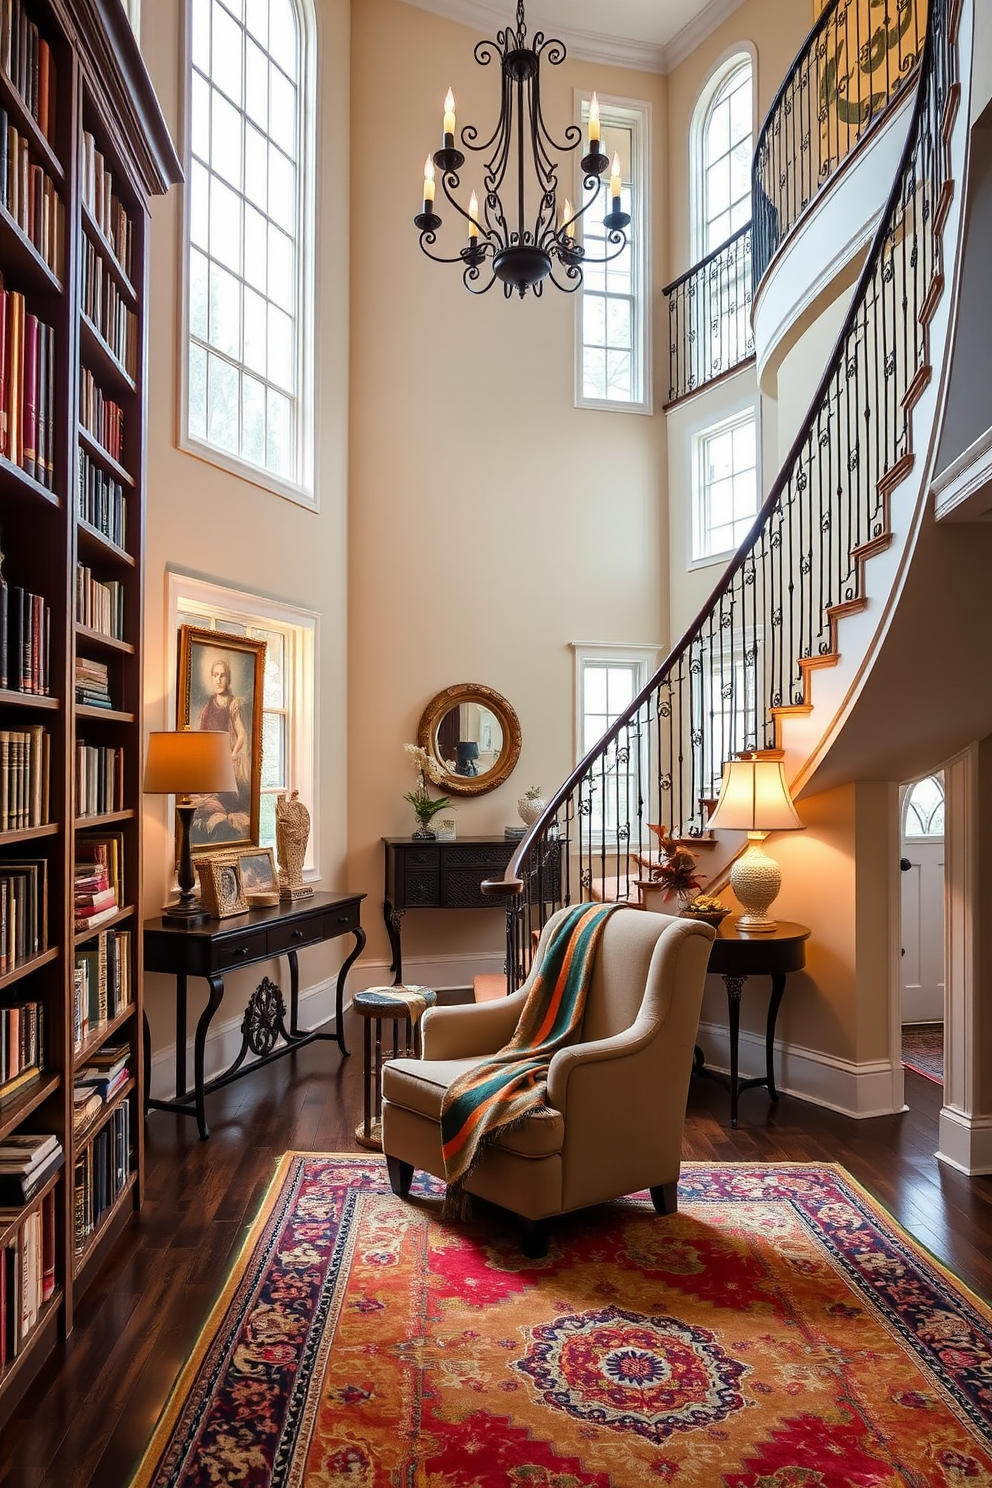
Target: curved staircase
x=780 y=659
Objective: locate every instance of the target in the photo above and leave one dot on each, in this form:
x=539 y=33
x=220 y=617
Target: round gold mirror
x=474 y=736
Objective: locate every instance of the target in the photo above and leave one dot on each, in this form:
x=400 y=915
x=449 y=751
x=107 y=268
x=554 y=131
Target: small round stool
x=400 y=1005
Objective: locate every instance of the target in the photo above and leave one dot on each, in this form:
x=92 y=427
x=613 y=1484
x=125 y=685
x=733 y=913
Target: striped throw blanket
x=512 y=1084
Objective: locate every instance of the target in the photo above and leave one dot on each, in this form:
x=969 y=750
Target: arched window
x=722 y=146
x=923 y=813
x=248 y=398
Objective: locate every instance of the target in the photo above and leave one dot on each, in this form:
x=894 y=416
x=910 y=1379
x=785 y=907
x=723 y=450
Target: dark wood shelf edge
x=113 y=715
x=16 y=1377
x=30 y=126
x=28 y=834
x=102 y=819
x=100 y=1037
x=27 y=483
x=108 y=353
x=106 y=248
x=80 y=937
x=8 y=1226
x=93 y=447
x=18 y=973
x=97 y=638
x=28 y=700
x=29 y=246
x=93 y=534
x=35 y=1095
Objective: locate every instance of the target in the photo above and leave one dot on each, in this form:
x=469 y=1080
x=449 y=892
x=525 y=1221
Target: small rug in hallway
x=923 y=1050
x=781 y=1331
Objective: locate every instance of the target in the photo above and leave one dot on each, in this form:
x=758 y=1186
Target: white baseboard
x=443 y=973
x=858 y=1090
x=965 y=1142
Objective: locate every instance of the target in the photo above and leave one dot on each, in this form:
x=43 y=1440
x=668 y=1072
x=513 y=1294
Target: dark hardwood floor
x=87 y=1419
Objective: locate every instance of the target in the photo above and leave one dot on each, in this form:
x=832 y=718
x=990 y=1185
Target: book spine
x=30 y=416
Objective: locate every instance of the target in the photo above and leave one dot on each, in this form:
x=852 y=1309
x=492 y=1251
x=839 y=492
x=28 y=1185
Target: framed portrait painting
x=221 y=678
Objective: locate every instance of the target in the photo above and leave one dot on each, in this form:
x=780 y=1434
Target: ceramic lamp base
x=756 y=879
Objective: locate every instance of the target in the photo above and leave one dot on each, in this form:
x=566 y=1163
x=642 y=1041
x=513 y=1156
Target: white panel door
x=923 y=931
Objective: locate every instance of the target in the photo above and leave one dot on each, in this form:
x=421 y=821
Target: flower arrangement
x=424 y=806
x=675 y=870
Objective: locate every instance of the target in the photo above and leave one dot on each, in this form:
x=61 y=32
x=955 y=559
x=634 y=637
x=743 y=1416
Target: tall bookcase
x=83 y=147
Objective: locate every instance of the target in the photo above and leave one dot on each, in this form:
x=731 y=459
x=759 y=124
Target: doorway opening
x=922 y=926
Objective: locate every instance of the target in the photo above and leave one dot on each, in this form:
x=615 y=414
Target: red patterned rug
x=923 y=1050
x=780 y=1332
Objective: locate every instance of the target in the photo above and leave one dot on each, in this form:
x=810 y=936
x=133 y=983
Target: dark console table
x=735 y=957
x=211 y=950
x=438 y=875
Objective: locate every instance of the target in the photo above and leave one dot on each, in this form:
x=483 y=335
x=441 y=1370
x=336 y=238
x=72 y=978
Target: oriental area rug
x=780 y=1331
x=923 y=1050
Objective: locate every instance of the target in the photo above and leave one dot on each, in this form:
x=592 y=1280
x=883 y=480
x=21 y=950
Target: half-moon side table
x=735 y=957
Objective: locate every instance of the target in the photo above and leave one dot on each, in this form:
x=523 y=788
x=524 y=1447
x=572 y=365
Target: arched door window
x=923 y=810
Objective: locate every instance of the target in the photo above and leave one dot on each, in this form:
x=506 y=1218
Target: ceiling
x=655 y=35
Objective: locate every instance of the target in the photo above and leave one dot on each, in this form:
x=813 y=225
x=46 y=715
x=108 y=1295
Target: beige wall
x=204 y=521
x=492 y=523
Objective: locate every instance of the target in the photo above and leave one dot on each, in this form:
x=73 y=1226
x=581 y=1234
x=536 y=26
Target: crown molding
x=591 y=46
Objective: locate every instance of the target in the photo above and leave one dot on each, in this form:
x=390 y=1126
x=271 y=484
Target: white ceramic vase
x=529 y=808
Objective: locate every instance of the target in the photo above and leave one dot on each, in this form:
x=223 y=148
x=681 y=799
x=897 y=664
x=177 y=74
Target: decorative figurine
x=292 y=832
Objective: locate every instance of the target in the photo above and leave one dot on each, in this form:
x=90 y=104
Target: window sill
x=263 y=479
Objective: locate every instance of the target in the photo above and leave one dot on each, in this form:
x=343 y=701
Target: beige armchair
x=616 y=1101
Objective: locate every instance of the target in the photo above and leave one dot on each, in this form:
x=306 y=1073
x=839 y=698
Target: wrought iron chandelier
x=521 y=245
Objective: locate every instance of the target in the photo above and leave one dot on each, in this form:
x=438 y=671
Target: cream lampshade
x=754 y=798
x=185 y=763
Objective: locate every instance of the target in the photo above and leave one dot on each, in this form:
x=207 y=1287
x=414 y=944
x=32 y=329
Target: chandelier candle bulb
x=473 y=213
x=448 y=128
x=593 y=124
x=428 y=183
x=567 y=220
x=615 y=182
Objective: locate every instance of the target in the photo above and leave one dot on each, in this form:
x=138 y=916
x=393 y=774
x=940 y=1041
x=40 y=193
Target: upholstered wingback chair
x=616 y=1101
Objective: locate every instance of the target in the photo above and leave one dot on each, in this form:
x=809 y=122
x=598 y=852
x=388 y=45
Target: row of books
x=27 y=1277
x=98 y=877
x=104 y=205
x=25 y=640
x=26 y=58
x=101 y=501
x=23 y=910
x=92 y=683
x=103 y=303
x=105 y=1073
x=27 y=1161
x=30 y=197
x=99 y=604
x=100 y=415
x=27 y=388
x=101 y=984
x=25 y=774
x=22 y=1046
x=100 y=1173
x=99 y=779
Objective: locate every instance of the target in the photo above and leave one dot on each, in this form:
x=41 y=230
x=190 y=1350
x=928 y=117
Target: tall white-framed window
x=725 y=485
x=613 y=360
x=133 y=8
x=721 y=147
x=247 y=393
x=289 y=734
x=607 y=680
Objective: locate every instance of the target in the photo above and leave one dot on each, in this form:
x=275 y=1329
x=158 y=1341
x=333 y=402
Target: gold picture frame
x=220 y=687
x=221 y=890
x=257 y=867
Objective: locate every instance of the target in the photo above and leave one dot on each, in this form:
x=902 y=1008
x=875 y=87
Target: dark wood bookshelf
x=106 y=118
x=9 y=1225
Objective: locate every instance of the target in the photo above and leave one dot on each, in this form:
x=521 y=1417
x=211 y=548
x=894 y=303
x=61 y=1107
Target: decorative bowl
x=708 y=916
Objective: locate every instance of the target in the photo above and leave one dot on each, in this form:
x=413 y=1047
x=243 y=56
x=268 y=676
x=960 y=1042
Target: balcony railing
x=856 y=60
x=709 y=317
x=772 y=618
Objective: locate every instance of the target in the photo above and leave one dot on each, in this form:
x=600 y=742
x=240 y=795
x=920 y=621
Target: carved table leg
x=216 y=984
x=394 y=920
x=346 y=966
x=778 y=989
x=734 y=988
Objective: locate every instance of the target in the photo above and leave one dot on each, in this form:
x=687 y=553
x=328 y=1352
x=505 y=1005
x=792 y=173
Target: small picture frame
x=221 y=890
x=259 y=879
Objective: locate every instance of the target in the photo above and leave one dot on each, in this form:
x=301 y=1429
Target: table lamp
x=188 y=763
x=754 y=798
x=466 y=754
